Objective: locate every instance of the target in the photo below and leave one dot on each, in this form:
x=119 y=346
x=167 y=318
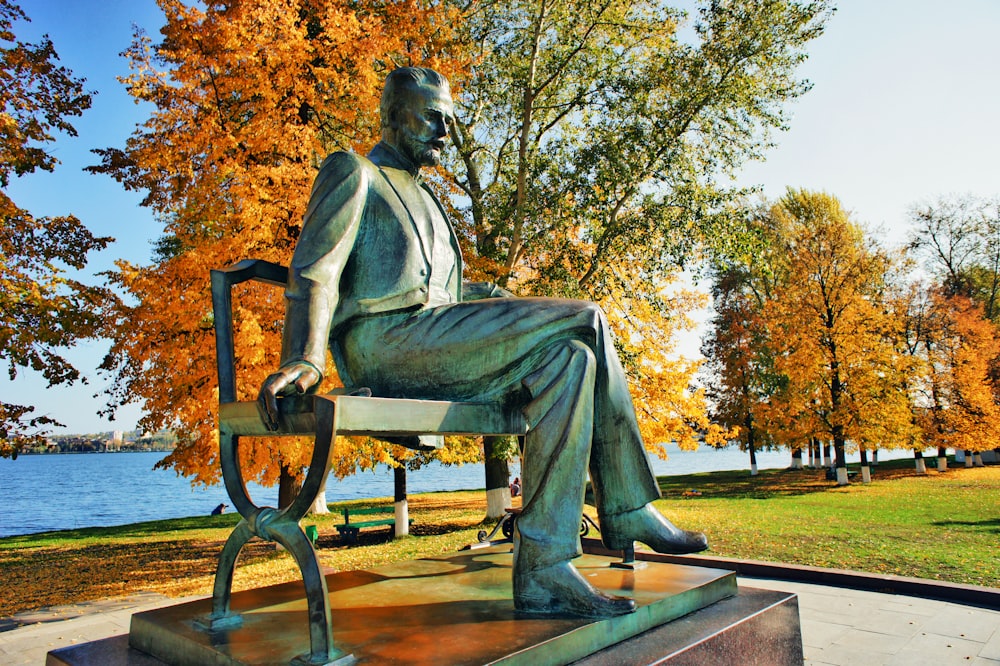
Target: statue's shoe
x=651 y=527
x=560 y=588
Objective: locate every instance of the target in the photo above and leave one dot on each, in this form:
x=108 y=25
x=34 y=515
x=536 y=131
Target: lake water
x=39 y=493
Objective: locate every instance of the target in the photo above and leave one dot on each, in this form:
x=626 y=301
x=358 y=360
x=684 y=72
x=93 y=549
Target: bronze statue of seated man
x=376 y=277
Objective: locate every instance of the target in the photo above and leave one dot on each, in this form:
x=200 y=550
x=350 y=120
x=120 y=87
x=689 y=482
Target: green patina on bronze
x=376 y=278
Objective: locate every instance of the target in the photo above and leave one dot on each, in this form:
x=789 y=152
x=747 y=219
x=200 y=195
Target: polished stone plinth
x=754 y=628
x=453 y=609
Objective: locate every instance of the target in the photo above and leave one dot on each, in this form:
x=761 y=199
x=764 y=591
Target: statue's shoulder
x=344 y=169
x=344 y=161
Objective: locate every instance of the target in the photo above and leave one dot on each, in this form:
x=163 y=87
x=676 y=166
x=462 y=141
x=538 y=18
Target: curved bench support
x=281 y=526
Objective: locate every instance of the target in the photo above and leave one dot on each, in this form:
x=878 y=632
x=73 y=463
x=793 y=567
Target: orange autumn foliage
x=833 y=336
x=248 y=97
x=739 y=353
x=647 y=327
x=961 y=348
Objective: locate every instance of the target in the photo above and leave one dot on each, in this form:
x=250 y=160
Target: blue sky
x=904 y=109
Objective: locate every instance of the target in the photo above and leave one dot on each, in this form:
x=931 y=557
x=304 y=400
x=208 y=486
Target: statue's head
x=415 y=111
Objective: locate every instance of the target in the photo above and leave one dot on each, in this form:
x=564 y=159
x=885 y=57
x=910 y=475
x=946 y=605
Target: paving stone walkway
x=839 y=627
x=859 y=628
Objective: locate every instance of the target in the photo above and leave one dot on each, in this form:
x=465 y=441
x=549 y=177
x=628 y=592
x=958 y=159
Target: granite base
x=457 y=609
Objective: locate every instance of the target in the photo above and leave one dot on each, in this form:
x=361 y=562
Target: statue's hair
x=402 y=79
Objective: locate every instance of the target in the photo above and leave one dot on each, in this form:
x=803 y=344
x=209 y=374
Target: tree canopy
x=593 y=141
x=43 y=309
x=959 y=236
x=249 y=96
x=590 y=143
x=821 y=337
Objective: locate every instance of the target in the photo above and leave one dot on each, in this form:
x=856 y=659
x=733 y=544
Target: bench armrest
x=222 y=311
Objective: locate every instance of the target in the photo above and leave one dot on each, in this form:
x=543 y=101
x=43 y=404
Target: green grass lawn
x=939 y=526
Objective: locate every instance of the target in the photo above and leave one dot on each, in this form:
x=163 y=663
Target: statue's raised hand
x=296 y=377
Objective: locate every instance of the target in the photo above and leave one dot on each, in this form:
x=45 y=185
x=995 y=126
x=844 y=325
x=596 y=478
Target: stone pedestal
x=457 y=609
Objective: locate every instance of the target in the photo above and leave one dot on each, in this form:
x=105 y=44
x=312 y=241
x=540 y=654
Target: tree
x=963 y=411
x=834 y=336
x=590 y=139
x=960 y=236
x=248 y=97
x=740 y=357
x=43 y=310
x=916 y=314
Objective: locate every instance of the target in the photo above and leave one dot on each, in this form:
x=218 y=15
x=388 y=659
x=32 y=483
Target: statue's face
x=422 y=124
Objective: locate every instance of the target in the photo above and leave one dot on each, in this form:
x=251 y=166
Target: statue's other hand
x=297 y=377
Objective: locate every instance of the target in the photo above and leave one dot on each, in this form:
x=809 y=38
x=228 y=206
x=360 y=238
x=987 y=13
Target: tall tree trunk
x=289 y=483
x=827 y=459
x=866 y=471
x=401 y=504
x=497 y=479
x=918 y=459
x=968 y=458
x=751 y=444
x=942 y=461
x=796 y=458
x=840 y=455
x=319 y=504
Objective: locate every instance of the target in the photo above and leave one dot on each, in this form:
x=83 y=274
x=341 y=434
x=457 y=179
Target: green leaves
x=592 y=136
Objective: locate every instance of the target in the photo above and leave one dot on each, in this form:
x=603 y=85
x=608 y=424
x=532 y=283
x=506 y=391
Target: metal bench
x=349 y=530
x=323 y=417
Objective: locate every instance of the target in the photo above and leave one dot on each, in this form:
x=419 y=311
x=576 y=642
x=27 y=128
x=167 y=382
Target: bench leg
x=222 y=617
x=284 y=528
x=348 y=534
x=295 y=541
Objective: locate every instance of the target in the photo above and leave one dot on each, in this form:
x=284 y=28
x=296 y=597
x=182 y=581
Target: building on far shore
x=107 y=442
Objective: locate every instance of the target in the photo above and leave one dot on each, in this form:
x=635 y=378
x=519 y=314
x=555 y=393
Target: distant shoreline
x=61 y=453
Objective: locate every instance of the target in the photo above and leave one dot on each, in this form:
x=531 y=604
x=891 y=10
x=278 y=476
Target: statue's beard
x=421 y=153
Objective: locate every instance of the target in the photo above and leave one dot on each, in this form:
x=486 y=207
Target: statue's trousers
x=553 y=358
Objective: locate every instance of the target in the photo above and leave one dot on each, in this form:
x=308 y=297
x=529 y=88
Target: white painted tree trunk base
x=968 y=461
x=753 y=469
x=942 y=464
x=319 y=504
x=842 y=476
x=866 y=474
x=977 y=460
x=921 y=466
x=402 y=518
x=796 y=464
x=497 y=502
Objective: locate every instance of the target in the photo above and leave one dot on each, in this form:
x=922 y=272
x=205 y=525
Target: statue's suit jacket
x=360 y=252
